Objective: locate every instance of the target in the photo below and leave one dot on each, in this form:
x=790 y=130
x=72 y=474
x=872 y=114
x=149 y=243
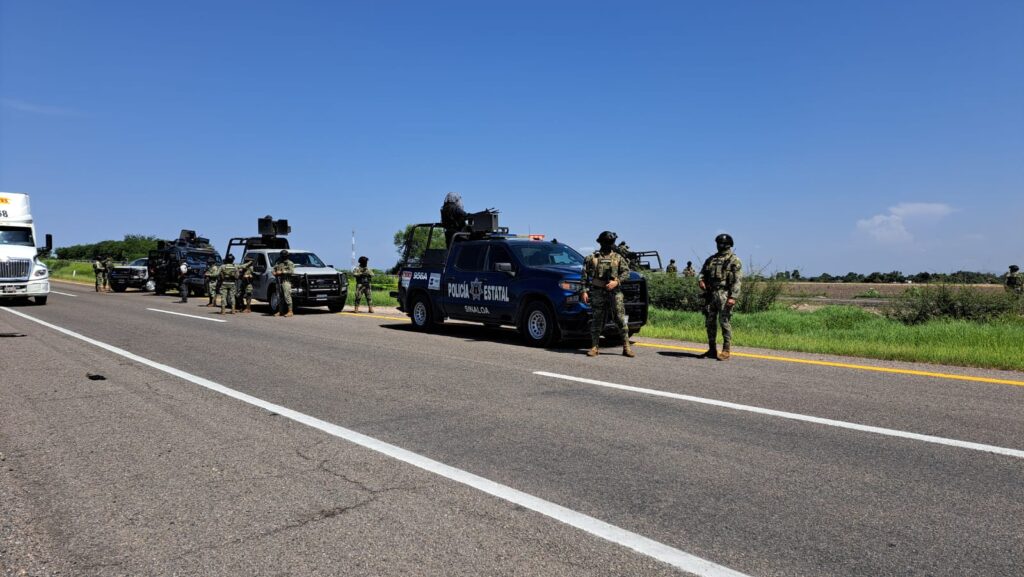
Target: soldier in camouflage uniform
x=672 y=269
x=284 y=269
x=101 y=274
x=720 y=279
x=246 y=272
x=211 y=279
x=603 y=272
x=688 y=271
x=1014 y=281
x=363 y=274
x=228 y=278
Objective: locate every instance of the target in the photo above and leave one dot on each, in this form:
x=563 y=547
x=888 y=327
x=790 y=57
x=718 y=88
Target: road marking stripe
x=796 y=416
x=185 y=315
x=373 y=316
x=847 y=366
x=643 y=545
x=65 y=294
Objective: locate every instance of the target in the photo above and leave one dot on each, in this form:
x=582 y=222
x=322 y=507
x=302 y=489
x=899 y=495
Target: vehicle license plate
x=10 y=288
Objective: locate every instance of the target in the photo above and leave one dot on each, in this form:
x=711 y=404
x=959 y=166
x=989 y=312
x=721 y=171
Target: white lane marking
x=797 y=417
x=643 y=545
x=185 y=315
x=65 y=294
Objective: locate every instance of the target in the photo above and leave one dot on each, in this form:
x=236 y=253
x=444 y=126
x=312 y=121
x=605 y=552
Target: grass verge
x=851 y=331
x=71 y=270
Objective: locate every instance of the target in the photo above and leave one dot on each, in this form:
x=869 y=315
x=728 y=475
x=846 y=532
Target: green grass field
x=71 y=270
x=843 y=330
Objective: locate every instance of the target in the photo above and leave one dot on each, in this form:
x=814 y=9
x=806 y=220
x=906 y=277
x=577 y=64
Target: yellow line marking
x=849 y=366
x=373 y=316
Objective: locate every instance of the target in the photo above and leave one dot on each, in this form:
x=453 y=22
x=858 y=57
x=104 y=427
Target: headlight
x=571 y=285
x=40 y=272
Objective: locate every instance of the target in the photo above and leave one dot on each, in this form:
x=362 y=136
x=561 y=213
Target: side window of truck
x=471 y=257
x=499 y=253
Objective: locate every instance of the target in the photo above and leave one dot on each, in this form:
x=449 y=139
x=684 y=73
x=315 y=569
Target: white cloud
x=36 y=108
x=885 y=228
x=921 y=209
x=891 y=228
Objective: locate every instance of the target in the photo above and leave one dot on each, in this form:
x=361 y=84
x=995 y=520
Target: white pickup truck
x=22 y=274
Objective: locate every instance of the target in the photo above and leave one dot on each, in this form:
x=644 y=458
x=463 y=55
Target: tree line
x=133 y=246
x=958 y=277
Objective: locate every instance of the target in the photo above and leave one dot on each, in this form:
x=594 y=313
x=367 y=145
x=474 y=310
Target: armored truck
x=492 y=277
x=164 y=262
x=314 y=284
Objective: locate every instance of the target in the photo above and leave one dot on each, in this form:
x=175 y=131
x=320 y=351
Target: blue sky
x=825 y=136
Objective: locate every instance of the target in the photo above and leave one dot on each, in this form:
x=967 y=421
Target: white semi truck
x=22 y=274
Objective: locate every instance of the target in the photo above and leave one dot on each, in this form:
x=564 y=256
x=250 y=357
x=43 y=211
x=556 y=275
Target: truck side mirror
x=505 y=267
x=48 y=247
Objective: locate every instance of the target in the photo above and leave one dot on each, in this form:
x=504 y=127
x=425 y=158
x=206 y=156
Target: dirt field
x=845 y=291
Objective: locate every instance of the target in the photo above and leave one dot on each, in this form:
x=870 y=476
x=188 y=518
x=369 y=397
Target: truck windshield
x=17 y=235
x=546 y=254
x=300 y=259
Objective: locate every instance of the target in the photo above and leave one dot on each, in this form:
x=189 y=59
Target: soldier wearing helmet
x=720 y=279
x=363 y=274
x=1014 y=281
x=603 y=273
x=284 y=270
x=228 y=276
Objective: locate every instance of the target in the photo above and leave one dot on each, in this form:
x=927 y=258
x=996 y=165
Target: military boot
x=370 y=308
x=221 y=310
x=289 y=313
x=593 y=352
x=711 y=353
x=248 y=308
x=725 y=354
x=356 y=309
x=627 y=351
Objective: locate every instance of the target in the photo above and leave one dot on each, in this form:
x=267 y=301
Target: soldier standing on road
x=183 y=283
x=1014 y=281
x=210 y=278
x=672 y=269
x=688 y=271
x=720 y=279
x=363 y=274
x=101 y=274
x=284 y=269
x=603 y=273
x=246 y=271
x=228 y=277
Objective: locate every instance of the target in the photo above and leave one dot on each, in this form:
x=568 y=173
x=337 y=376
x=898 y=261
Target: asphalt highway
x=139 y=436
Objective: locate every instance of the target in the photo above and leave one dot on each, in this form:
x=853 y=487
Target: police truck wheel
x=336 y=308
x=538 y=326
x=274 y=300
x=120 y=288
x=159 y=289
x=422 y=316
x=40 y=301
x=150 y=286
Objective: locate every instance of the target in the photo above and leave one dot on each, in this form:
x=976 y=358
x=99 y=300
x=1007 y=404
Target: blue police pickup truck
x=497 y=279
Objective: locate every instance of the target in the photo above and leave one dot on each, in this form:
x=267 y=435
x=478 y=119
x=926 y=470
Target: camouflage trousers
x=101 y=280
x=364 y=290
x=211 y=291
x=183 y=289
x=247 y=293
x=715 y=312
x=604 y=304
x=286 y=294
x=228 y=294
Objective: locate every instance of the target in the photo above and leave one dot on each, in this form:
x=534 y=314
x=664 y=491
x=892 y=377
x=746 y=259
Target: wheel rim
x=537 y=325
x=274 y=300
x=419 y=313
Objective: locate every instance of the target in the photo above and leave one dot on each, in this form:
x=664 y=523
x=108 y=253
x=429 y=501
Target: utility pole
x=353 y=265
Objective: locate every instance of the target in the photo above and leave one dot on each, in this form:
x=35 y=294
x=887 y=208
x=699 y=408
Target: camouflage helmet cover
x=283 y=253
x=607 y=237
x=725 y=239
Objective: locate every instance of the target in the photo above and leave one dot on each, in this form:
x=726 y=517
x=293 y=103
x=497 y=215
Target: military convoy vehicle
x=165 y=260
x=132 y=275
x=492 y=277
x=314 y=284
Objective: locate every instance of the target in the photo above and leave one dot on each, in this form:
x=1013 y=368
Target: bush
x=681 y=293
x=921 y=304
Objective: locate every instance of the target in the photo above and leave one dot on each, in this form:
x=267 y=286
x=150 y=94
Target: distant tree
x=133 y=246
x=419 y=241
x=795 y=275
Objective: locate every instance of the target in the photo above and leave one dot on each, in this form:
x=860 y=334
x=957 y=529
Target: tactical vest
x=604 y=268
x=720 y=271
x=229 y=272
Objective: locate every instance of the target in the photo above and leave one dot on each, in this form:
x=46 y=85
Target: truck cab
x=22 y=274
x=499 y=279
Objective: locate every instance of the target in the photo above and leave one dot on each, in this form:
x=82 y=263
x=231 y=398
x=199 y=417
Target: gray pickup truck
x=315 y=284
